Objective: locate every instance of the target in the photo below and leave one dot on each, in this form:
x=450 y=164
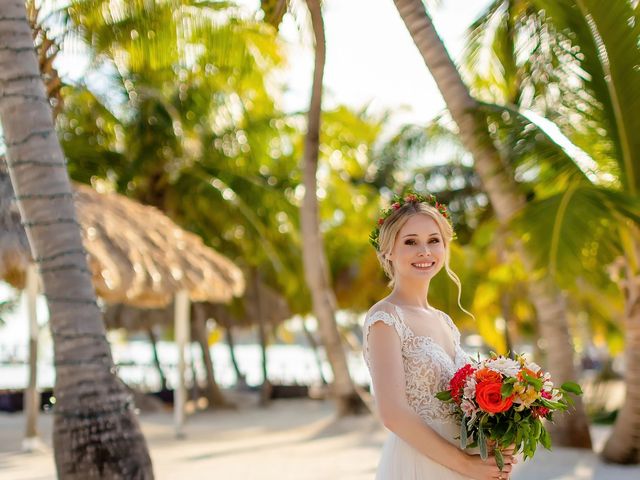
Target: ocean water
x=286 y=364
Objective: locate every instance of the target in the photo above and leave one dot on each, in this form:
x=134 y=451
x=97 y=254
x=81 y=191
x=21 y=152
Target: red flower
x=380 y=221
x=395 y=206
x=456 y=384
x=411 y=198
x=541 y=411
x=490 y=399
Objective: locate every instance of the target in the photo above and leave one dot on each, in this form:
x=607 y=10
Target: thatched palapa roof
x=243 y=312
x=137 y=255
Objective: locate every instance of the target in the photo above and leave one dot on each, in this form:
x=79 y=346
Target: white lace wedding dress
x=428 y=369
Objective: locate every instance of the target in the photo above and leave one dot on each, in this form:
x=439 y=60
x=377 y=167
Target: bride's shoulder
x=383 y=308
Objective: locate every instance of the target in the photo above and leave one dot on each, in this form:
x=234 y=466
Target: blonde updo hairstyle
x=393 y=224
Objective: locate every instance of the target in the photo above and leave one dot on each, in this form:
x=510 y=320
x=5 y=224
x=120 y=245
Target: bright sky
x=371 y=59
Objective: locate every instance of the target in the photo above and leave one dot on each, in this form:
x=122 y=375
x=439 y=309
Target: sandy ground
x=291 y=439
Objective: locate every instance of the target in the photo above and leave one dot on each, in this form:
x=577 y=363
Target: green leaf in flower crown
x=571 y=387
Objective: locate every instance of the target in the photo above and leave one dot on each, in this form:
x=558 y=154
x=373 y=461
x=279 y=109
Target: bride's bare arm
x=387 y=375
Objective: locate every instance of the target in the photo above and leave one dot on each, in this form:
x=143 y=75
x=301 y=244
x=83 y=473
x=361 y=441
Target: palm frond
x=573 y=233
x=606 y=36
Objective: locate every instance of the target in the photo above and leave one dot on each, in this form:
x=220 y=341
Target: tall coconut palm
x=316 y=267
x=586 y=45
x=315 y=262
x=506 y=199
x=96 y=433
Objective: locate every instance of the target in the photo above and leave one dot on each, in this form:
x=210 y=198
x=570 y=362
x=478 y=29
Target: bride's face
x=418 y=251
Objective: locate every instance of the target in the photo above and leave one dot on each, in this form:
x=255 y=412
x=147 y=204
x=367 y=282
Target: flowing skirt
x=400 y=461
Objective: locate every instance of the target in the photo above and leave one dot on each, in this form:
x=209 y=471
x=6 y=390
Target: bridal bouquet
x=503 y=401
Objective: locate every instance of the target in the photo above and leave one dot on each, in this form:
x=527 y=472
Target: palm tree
x=585 y=46
x=315 y=261
x=96 y=433
x=316 y=267
x=506 y=199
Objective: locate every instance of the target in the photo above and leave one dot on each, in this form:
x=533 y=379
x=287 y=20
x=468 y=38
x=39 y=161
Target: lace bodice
x=427 y=366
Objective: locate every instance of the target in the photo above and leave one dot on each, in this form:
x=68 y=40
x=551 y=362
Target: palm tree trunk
x=241 y=378
x=213 y=393
x=31 y=394
x=315 y=262
x=623 y=446
x=156 y=359
x=314 y=346
x=96 y=432
x=266 y=388
x=568 y=430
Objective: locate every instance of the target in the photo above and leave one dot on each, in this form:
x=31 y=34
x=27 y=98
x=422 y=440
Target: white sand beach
x=290 y=439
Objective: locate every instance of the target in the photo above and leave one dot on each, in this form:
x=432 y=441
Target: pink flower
x=541 y=411
x=469 y=390
x=468 y=408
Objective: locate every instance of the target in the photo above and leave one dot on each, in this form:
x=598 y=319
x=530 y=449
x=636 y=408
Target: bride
x=412 y=350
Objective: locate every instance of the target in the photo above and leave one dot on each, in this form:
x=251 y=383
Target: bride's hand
x=479 y=469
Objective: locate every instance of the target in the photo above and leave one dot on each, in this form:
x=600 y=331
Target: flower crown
x=399 y=201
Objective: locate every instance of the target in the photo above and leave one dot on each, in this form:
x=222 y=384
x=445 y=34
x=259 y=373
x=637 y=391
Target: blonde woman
x=413 y=349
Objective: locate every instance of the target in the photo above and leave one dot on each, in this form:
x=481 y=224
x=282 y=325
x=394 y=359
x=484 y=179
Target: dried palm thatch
x=137 y=255
x=259 y=303
x=242 y=312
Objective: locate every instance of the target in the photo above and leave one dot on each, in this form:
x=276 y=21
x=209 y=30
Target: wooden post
x=182 y=340
x=31 y=441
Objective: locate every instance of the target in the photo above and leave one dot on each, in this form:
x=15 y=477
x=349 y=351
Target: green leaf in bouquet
x=568 y=399
x=537 y=428
x=463 y=433
x=499 y=458
x=517 y=417
x=509 y=439
x=482 y=443
x=507 y=389
x=545 y=439
x=551 y=404
x=510 y=427
x=536 y=382
x=572 y=387
x=444 y=395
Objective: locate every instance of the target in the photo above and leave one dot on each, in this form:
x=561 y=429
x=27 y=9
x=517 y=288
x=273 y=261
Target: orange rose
x=486 y=375
x=490 y=399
